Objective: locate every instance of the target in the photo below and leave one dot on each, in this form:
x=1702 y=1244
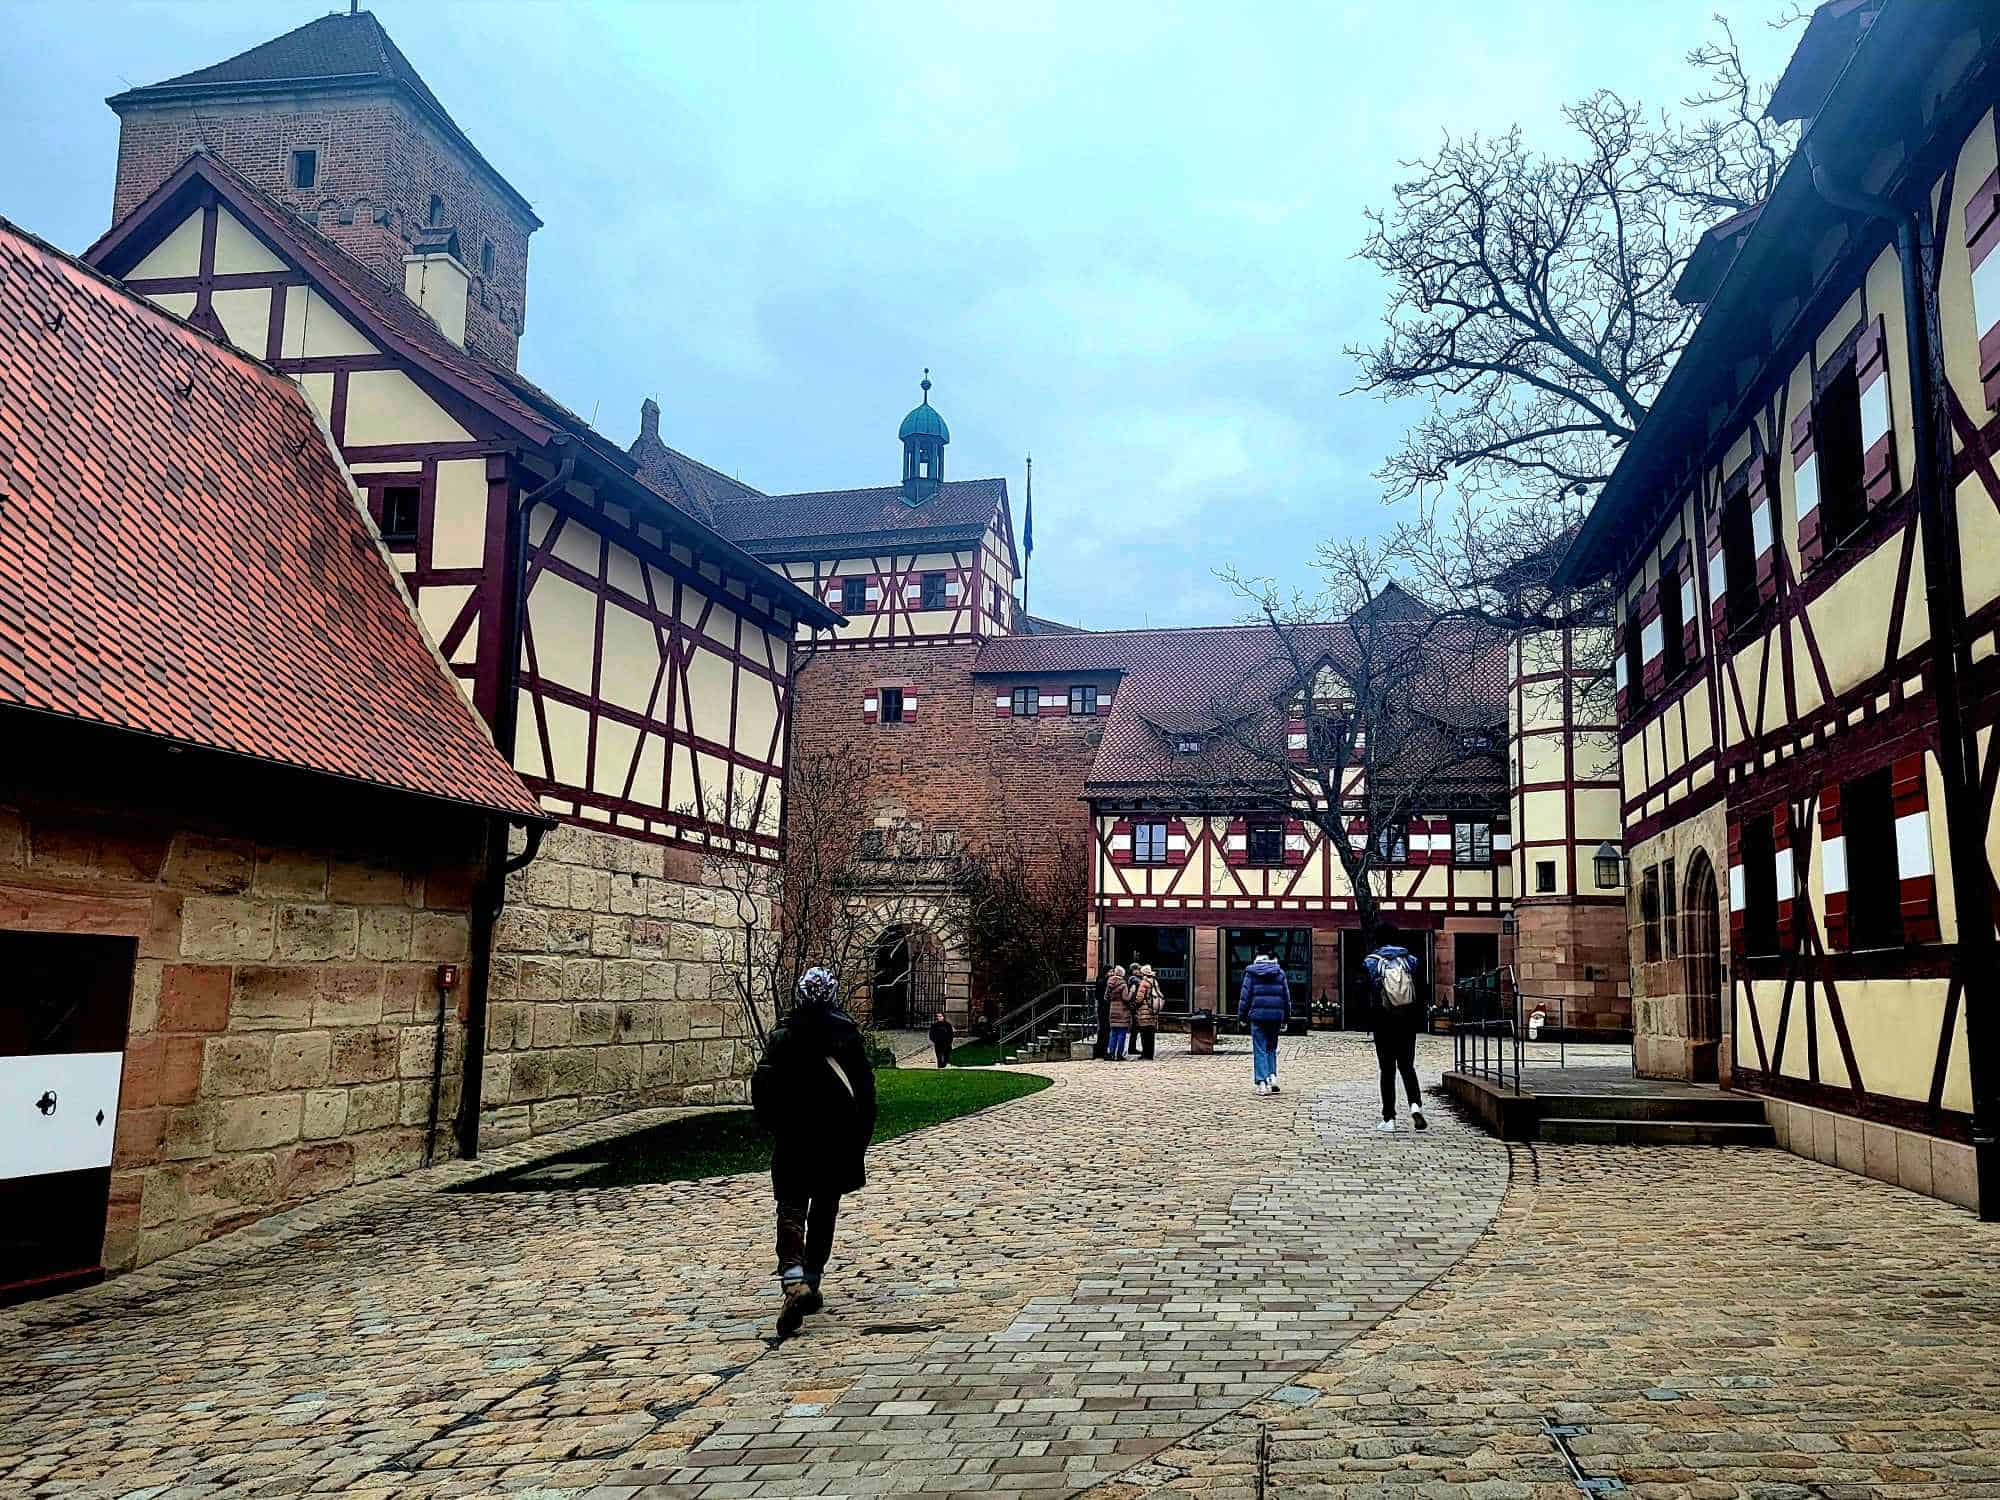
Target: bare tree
x=1531 y=304
x=1359 y=710
x=1026 y=916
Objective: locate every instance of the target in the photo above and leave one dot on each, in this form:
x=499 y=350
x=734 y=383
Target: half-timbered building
x=1806 y=537
x=634 y=663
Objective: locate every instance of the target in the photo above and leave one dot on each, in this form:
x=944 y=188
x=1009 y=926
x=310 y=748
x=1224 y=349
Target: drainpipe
x=491 y=891
x=1944 y=597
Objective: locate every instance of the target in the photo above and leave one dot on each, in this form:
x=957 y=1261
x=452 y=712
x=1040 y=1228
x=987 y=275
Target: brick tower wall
x=379 y=163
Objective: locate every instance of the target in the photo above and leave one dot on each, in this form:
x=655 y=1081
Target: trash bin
x=1201 y=1031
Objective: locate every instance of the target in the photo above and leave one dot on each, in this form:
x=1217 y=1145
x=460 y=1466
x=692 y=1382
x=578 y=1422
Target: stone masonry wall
x=283 y=1007
x=1570 y=958
x=1660 y=1042
x=613 y=988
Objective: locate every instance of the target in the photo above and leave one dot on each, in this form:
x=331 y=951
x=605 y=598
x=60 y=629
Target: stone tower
x=333 y=122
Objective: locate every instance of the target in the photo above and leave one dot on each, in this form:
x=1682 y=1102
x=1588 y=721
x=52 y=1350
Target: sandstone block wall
x=613 y=988
x=284 y=1005
x=1570 y=958
x=1661 y=1047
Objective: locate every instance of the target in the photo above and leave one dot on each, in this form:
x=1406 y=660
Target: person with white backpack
x=1399 y=1016
x=815 y=1091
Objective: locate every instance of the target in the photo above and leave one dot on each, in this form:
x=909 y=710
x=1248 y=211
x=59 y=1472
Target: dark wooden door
x=1701 y=963
x=64 y=1002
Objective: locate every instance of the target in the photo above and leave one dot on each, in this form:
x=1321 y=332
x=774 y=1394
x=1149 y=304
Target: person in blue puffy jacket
x=1266 y=1003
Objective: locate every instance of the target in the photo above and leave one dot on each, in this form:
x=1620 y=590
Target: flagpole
x=1029 y=538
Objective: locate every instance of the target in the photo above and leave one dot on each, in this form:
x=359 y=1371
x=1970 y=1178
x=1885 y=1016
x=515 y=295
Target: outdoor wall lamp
x=1610 y=865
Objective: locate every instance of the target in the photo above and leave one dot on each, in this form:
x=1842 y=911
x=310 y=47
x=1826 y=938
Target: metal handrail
x=1044 y=1013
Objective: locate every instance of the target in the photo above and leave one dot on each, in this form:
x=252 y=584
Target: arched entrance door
x=1701 y=961
x=908 y=986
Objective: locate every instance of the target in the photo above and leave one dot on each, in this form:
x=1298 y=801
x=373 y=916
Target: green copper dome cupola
x=924 y=435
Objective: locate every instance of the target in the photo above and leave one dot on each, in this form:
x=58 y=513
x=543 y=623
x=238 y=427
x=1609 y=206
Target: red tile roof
x=1192 y=680
x=181 y=553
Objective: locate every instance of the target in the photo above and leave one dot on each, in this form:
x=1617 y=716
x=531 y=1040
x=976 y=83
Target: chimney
x=436 y=280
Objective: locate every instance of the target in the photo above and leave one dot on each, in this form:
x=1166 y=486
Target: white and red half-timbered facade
x=634 y=663
x=1806 y=537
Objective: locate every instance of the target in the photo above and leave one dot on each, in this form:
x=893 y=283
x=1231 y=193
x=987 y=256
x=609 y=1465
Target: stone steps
x=1654 y=1132
x=1727 y=1108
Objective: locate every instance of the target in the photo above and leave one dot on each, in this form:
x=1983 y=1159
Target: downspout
x=1944 y=597
x=491 y=892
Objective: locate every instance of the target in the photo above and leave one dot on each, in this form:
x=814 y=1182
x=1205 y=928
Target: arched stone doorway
x=1701 y=956
x=908 y=985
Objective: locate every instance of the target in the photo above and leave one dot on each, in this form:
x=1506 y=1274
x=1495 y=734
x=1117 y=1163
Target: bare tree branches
x=1026 y=918
x=1531 y=299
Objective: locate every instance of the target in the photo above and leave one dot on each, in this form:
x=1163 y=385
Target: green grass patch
x=728 y=1141
x=976 y=1055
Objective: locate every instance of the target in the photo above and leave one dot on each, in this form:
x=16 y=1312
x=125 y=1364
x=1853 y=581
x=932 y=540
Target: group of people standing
x=1129 y=1012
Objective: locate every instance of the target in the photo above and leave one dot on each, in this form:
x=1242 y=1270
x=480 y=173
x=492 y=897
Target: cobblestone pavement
x=1031 y=1300
x=1712 y=1323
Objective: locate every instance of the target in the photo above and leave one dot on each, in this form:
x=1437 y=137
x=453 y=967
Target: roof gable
x=182 y=554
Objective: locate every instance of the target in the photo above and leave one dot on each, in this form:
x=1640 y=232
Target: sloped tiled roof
x=960 y=510
x=687 y=483
x=1190 y=680
x=181 y=554
x=337 y=50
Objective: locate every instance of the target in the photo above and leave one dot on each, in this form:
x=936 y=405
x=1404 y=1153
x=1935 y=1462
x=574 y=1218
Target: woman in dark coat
x=815 y=1091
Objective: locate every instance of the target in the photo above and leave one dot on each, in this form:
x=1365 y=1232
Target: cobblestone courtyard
x=1142 y=1279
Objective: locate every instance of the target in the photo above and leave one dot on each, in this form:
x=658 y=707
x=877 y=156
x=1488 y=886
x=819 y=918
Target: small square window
x=1083 y=700
x=1266 y=844
x=1026 y=702
x=1188 y=744
x=891 y=701
x=399 y=514
x=853 y=595
x=933 y=595
x=305 y=169
x=1545 y=877
x=1149 y=843
x=1472 y=843
x=874 y=843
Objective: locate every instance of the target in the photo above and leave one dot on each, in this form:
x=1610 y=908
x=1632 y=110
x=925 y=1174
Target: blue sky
x=1121 y=236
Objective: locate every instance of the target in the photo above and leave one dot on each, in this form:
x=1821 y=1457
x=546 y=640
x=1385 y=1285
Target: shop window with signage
x=1290 y=946
x=1167 y=950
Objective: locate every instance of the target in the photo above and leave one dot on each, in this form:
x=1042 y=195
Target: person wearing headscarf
x=814 y=1091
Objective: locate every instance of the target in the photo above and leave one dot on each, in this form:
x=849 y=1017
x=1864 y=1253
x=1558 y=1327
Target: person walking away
x=942 y=1036
x=1118 y=994
x=1266 y=1003
x=815 y=1091
x=1145 y=1011
x=1399 y=1015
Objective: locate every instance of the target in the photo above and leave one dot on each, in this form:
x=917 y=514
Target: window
x=1025 y=702
x=1083 y=700
x=1874 y=886
x=946 y=841
x=1392 y=842
x=399 y=514
x=874 y=844
x=892 y=705
x=1649 y=914
x=1188 y=744
x=1266 y=844
x=1635 y=661
x=1545 y=877
x=1760 y=885
x=1739 y=556
x=305 y=168
x=1149 y=843
x=999 y=613
x=1477 y=739
x=933 y=594
x=1843 y=495
x=853 y=595
x=1668 y=900
x=1673 y=656
x=486 y=259
x=1472 y=843
x=437 y=210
